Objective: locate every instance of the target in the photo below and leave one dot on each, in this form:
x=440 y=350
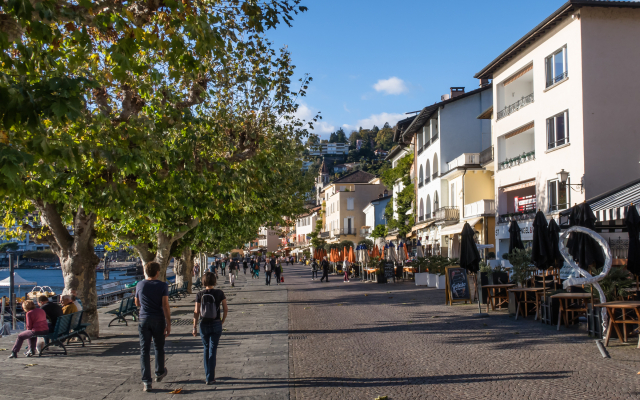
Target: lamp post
x=563 y=177
x=12 y=292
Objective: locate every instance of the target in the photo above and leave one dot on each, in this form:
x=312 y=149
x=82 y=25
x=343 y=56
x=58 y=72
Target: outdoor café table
x=492 y=296
x=407 y=271
x=624 y=307
x=370 y=271
x=564 y=311
x=521 y=299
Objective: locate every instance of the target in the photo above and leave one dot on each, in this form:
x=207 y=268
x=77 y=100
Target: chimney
x=386 y=192
x=380 y=196
x=456 y=91
x=484 y=82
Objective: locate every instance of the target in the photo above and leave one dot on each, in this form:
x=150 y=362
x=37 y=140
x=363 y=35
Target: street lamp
x=563 y=177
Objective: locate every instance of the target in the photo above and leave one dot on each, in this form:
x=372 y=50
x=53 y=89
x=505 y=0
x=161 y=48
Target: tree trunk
x=77 y=256
x=184 y=268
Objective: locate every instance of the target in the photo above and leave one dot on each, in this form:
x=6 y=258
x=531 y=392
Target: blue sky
x=372 y=61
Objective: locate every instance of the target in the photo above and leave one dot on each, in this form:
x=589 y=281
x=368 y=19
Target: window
x=350 y=203
x=435 y=166
x=558 y=195
x=420 y=142
x=421 y=177
x=435 y=202
x=428 y=206
x=421 y=208
x=556 y=66
x=453 y=195
x=558 y=130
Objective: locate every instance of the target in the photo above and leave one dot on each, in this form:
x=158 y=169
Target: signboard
x=457 y=286
x=525 y=203
x=389 y=273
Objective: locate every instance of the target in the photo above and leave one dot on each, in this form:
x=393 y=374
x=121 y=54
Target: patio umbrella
x=583 y=248
x=541 y=248
x=632 y=221
x=470 y=258
x=515 y=241
x=419 y=250
x=555 y=257
x=401 y=252
x=391 y=252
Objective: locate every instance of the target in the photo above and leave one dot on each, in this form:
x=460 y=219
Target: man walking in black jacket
x=325 y=269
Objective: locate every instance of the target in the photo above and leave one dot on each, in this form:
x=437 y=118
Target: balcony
x=520 y=216
x=366 y=231
x=481 y=207
x=420 y=150
x=447 y=214
x=427 y=180
x=421 y=184
x=344 y=231
x=515 y=161
x=325 y=234
x=435 y=175
x=421 y=218
x=510 y=109
x=464 y=160
x=486 y=156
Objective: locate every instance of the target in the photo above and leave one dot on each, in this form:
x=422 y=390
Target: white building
x=565 y=98
x=268 y=239
x=330 y=149
x=305 y=224
x=443 y=133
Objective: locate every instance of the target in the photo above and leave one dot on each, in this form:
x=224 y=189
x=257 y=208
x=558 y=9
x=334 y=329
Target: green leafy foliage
x=404 y=199
x=520 y=261
x=380 y=231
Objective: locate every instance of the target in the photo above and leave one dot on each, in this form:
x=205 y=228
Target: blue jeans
x=268 y=278
x=151 y=329
x=210 y=333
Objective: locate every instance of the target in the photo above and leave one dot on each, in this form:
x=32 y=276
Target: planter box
x=499 y=278
x=484 y=280
x=432 y=280
x=441 y=281
x=422 y=279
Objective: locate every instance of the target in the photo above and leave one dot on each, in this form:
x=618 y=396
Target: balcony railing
x=427 y=143
x=435 y=175
x=521 y=216
x=366 y=231
x=481 y=207
x=515 y=161
x=427 y=180
x=447 y=214
x=325 y=234
x=464 y=159
x=420 y=150
x=434 y=138
x=344 y=231
x=508 y=110
x=557 y=78
x=486 y=155
x=421 y=184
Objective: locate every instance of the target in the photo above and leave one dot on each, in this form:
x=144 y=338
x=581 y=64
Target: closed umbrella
x=541 y=246
x=470 y=258
x=582 y=247
x=632 y=221
x=401 y=252
x=555 y=257
x=515 y=241
x=391 y=253
x=419 y=253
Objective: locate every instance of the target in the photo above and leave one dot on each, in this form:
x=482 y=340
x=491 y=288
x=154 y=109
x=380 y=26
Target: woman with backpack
x=207 y=311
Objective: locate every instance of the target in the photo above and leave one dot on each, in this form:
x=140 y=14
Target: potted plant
x=498 y=275
x=520 y=263
x=421 y=276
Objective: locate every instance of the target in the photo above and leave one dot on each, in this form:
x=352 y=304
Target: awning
x=457 y=228
x=422 y=225
x=613 y=205
x=17 y=281
x=518 y=186
x=391 y=237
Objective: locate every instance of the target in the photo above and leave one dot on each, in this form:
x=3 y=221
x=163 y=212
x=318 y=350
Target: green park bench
x=127 y=307
x=59 y=335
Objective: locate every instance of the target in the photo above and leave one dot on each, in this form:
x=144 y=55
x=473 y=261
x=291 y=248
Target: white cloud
x=345 y=108
x=307 y=113
x=393 y=85
x=377 y=120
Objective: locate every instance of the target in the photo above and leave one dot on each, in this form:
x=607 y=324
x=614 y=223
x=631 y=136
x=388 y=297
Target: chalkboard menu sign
x=388 y=271
x=457 y=285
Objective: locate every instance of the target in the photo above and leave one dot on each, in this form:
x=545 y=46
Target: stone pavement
x=363 y=340
x=252 y=356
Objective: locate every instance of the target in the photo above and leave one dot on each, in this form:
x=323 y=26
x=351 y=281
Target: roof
x=486 y=114
x=381 y=198
x=400 y=126
x=355 y=177
x=324 y=169
x=395 y=151
x=428 y=111
x=616 y=198
x=548 y=23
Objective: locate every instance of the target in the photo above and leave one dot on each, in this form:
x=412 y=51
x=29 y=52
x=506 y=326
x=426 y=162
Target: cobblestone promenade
x=312 y=340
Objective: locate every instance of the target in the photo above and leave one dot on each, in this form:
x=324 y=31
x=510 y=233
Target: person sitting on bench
x=35 y=323
x=52 y=310
x=67 y=305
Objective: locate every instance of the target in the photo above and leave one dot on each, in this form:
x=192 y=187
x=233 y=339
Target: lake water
x=53 y=278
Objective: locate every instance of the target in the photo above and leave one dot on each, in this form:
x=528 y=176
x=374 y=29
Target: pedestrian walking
x=257 y=269
x=245 y=265
x=314 y=270
x=345 y=268
x=154 y=322
x=278 y=270
x=233 y=272
x=223 y=266
x=207 y=312
x=212 y=267
x=269 y=266
x=252 y=268
x=325 y=269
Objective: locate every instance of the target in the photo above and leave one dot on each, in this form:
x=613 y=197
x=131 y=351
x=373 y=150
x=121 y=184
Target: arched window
x=436 y=203
x=419 y=142
x=427 y=168
x=421 y=176
x=421 y=208
x=435 y=164
x=428 y=206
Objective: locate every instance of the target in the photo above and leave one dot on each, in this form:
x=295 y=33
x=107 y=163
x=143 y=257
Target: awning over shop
x=422 y=225
x=612 y=205
x=518 y=186
x=457 y=228
x=391 y=237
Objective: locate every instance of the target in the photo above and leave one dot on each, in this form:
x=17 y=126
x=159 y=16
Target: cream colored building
x=566 y=97
x=344 y=202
